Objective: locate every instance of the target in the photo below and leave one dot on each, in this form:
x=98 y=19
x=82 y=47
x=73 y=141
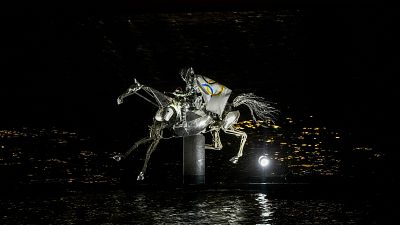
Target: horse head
x=136 y=86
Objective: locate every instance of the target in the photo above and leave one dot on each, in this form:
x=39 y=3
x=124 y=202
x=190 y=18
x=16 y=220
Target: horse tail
x=258 y=106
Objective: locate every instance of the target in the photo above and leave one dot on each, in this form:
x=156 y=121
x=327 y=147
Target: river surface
x=60 y=177
x=187 y=206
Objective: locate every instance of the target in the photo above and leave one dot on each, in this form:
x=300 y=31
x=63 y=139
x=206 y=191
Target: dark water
x=55 y=176
x=180 y=206
x=61 y=177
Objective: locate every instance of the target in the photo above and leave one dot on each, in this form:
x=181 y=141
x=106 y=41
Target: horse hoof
x=140 y=176
x=117 y=158
x=234 y=159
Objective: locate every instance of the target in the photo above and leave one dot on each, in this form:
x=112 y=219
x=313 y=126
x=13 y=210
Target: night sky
x=66 y=69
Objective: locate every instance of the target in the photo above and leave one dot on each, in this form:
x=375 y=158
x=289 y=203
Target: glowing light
x=263 y=161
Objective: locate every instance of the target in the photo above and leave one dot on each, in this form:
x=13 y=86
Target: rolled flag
x=215 y=95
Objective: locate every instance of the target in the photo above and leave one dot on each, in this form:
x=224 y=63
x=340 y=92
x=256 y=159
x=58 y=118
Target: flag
x=215 y=95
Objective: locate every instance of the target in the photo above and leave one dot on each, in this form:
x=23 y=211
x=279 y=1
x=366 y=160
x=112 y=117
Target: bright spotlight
x=263 y=161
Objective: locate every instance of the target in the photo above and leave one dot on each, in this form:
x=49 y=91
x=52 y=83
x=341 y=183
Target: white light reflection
x=266 y=208
x=263 y=161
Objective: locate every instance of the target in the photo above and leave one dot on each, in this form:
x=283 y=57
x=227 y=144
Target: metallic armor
x=185 y=112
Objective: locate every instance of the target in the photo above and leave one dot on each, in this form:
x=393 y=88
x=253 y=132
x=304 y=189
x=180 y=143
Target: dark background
x=65 y=66
x=62 y=66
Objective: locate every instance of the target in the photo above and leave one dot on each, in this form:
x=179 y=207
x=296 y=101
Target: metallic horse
x=201 y=108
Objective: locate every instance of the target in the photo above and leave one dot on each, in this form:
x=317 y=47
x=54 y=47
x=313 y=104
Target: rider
x=190 y=99
x=191 y=93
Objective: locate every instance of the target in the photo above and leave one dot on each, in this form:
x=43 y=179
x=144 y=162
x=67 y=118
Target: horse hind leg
x=216 y=141
x=227 y=126
x=243 y=139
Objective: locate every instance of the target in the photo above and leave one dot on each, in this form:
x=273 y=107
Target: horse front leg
x=119 y=157
x=154 y=132
x=150 y=150
x=243 y=139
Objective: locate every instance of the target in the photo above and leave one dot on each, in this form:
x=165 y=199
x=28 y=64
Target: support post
x=194 y=159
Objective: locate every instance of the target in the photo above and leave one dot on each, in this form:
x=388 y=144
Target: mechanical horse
x=201 y=108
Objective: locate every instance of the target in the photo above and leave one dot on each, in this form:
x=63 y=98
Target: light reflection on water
x=178 y=207
x=265 y=207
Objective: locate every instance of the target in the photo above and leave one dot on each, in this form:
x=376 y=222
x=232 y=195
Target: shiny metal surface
x=200 y=108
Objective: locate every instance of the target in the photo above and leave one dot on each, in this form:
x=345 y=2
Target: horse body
x=186 y=114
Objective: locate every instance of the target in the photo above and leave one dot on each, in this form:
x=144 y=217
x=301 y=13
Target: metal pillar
x=194 y=159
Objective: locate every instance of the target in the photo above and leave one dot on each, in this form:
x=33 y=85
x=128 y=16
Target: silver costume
x=201 y=108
